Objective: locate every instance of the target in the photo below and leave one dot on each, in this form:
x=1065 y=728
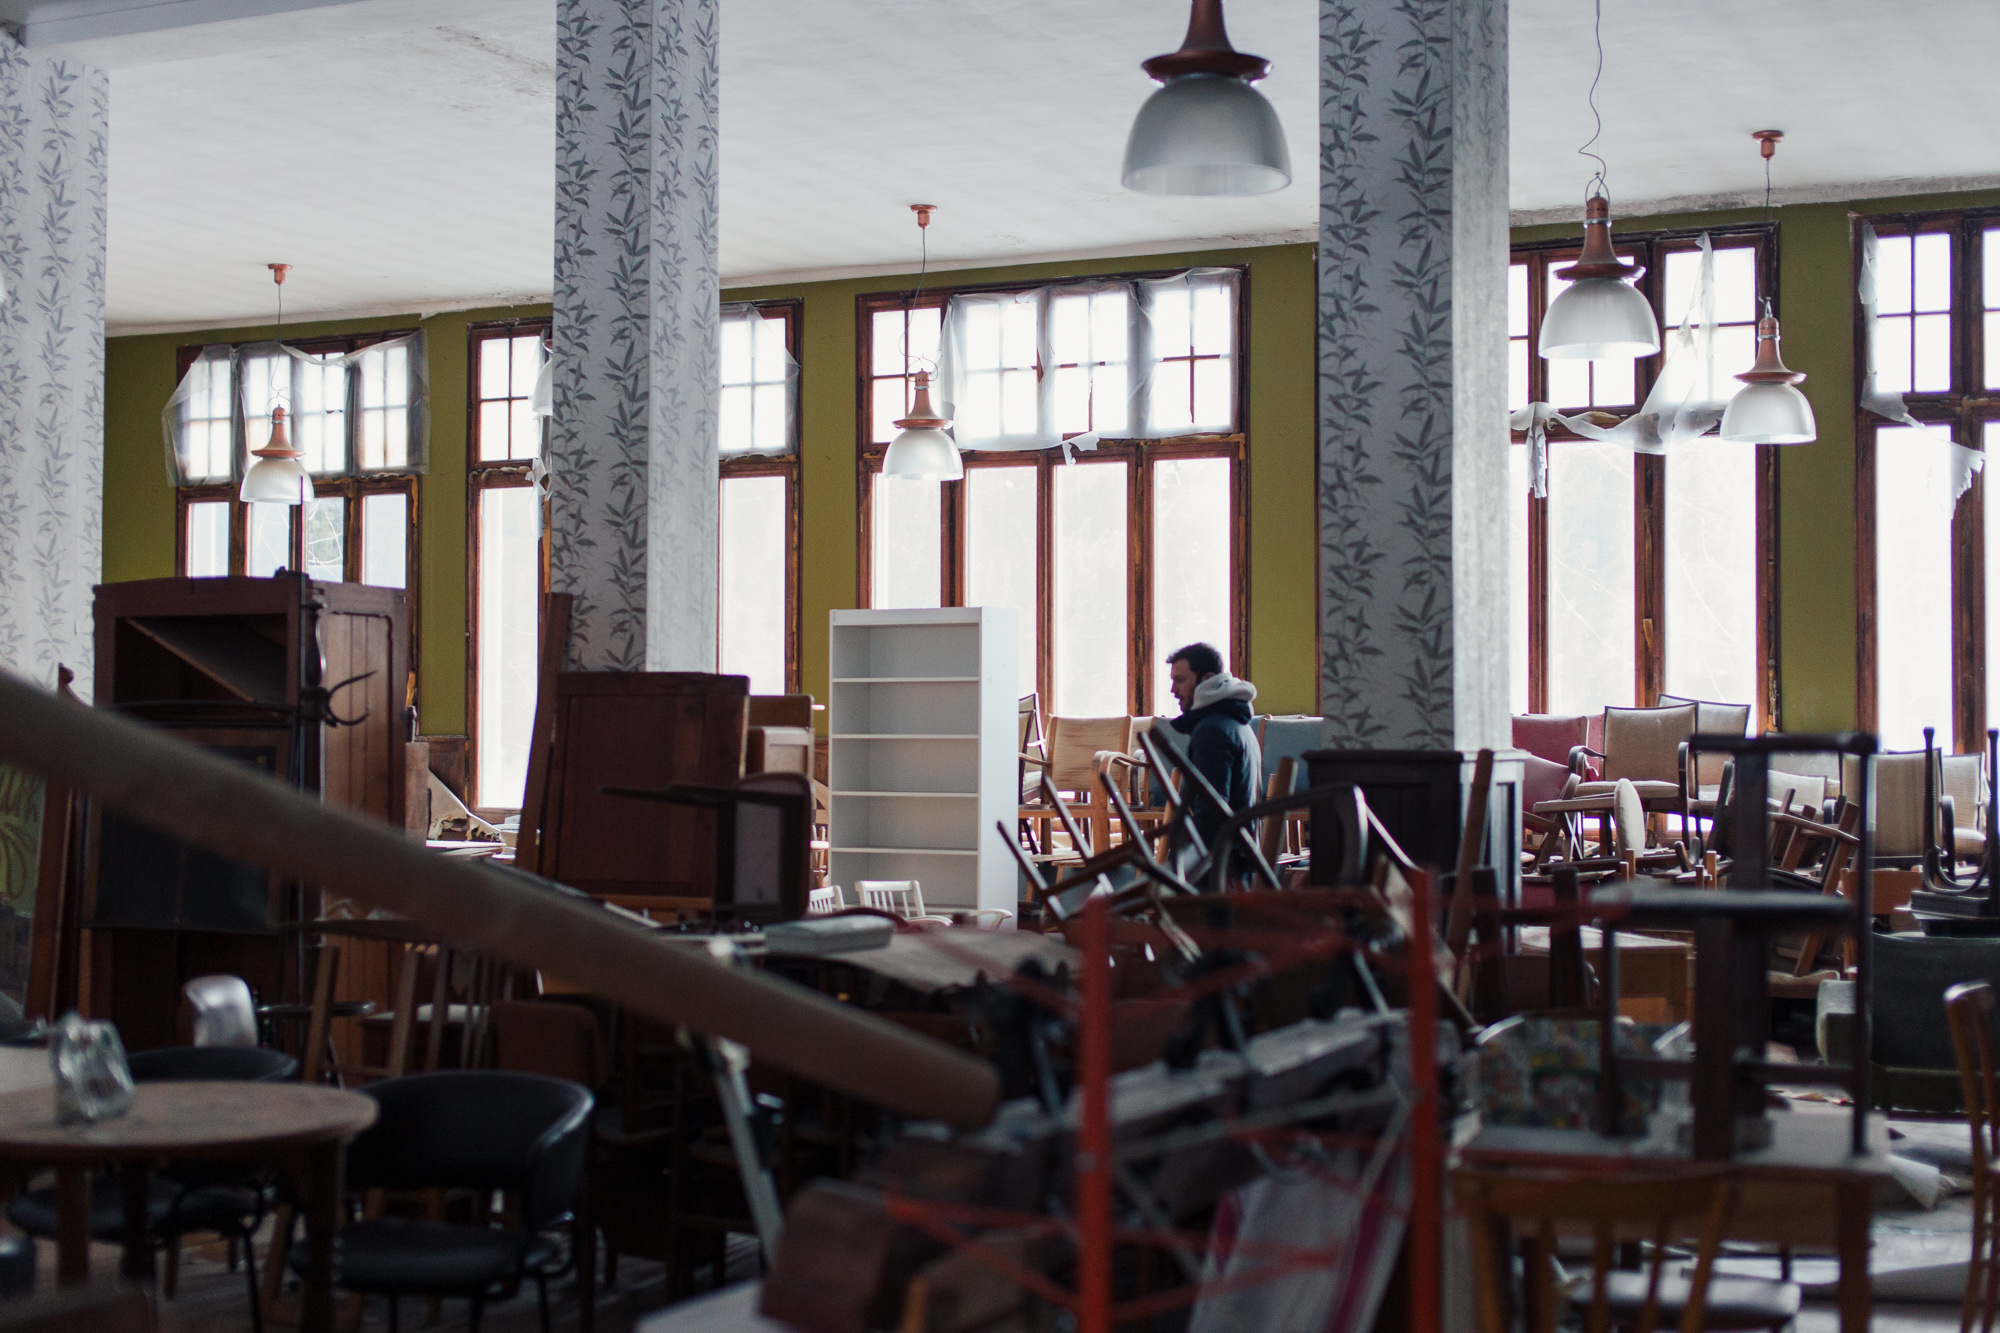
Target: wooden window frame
x=1139 y=456
x=1961 y=412
x=497 y=474
x=1649 y=480
x=790 y=466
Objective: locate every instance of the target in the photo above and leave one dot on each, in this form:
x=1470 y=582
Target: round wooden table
x=301 y=1130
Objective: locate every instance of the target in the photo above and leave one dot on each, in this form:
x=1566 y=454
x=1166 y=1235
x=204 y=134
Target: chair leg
x=542 y=1299
x=250 y=1267
x=170 y=1281
x=478 y=1309
x=392 y=1313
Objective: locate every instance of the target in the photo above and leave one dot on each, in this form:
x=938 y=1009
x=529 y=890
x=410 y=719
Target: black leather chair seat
x=396 y=1255
x=217 y=1209
x=1733 y=1302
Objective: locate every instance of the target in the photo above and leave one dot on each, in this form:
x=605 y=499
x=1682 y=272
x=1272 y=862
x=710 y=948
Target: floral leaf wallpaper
x=1412 y=254
x=53 y=122
x=632 y=446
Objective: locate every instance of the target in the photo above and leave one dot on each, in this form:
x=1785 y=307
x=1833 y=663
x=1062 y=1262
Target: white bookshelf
x=921 y=752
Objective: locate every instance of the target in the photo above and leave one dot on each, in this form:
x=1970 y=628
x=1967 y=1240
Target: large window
x=1112 y=554
x=356 y=408
x=757 y=629
x=1924 y=577
x=1640 y=574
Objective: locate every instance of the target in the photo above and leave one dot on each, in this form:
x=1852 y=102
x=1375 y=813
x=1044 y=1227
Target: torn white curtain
x=1686 y=401
x=1071 y=364
x=351 y=413
x=1887 y=403
x=760 y=383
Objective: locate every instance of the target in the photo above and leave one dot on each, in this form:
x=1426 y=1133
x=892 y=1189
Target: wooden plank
x=555 y=646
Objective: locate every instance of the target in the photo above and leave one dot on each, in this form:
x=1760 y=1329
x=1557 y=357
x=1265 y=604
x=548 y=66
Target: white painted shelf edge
x=919 y=795
x=904 y=736
x=907 y=851
x=906 y=680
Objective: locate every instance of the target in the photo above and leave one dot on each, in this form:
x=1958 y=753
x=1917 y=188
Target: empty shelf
x=922 y=795
x=904 y=736
x=909 y=851
x=906 y=680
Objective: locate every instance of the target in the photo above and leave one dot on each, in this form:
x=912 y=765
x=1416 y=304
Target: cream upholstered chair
x=1074 y=744
x=1962 y=780
x=1705 y=773
x=1643 y=746
x=1899 y=804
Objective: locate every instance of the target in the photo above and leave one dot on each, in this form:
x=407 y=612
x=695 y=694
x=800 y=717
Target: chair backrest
x=480 y=1130
x=1029 y=742
x=1968 y=1010
x=1549 y=736
x=898 y=897
x=1073 y=746
x=1644 y=744
x=553 y=1038
x=1271 y=829
x=1542 y=780
x=1808 y=790
x=1912 y=973
x=826 y=901
x=1281 y=738
x=224 y=1013
x=1809 y=764
x=1712 y=719
x=212 y=1064
x=1899 y=800
x=1963 y=778
x=1536 y=1207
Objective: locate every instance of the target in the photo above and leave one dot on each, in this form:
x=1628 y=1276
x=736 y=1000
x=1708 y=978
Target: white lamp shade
x=923 y=453
x=276 y=481
x=1600 y=319
x=1206 y=134
x=1769 y=414
x=542 y=401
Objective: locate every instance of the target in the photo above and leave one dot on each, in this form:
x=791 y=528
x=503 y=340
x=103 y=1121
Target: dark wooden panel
x=1419 y=796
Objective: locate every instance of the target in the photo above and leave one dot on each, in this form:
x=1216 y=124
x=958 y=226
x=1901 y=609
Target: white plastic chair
x=826 y=901
x=224 y=1012
x=898 y=897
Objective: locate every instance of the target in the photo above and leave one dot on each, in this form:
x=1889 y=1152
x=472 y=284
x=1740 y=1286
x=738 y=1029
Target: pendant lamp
x=1206 y=131
x=277 y=477
x=1769 y=409
x=1600 y=315
x=921 y=450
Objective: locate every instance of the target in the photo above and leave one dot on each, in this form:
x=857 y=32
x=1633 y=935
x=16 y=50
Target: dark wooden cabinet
x=305 y=680
x=1420 y=797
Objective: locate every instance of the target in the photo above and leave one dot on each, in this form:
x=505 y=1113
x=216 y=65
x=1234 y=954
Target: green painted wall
x=1283 y=645
x=1815 y=481
x=139 y=501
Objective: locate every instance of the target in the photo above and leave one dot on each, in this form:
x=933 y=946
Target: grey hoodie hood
x=1219 y=687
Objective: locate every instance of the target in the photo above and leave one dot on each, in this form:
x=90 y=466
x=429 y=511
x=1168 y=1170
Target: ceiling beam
x=48 y=23
x=117 y=34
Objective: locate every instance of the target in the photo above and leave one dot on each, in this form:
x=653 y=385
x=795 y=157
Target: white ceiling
x=400 y=152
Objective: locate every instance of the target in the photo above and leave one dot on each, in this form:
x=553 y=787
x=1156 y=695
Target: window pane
x=205 y=420
x=319 y=415
x=1092 y=640
x=1711 y=557
x=1931 y=282
x=1590 y=577
x=1892 y=275
x=1931 y=353
x=1517 y=300
x=1190 y=561
x=384 y=374
x=267 y=540
x=524 y=360
x=887 y=407
x=1913 y=662
x=1517 y=577
x=385 y=540
x=751 y=603
x=492 y=367
x=905 y=561
x=266 y=383
x=326 y=538
x=1001 y=568
x=508 y=606
x=208 y=539
x=886 y=343
x=1517 y=374
x=1991 y=487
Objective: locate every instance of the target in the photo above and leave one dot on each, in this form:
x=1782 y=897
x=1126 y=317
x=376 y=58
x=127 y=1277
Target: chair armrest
x=1812 y=828
x=1039 y=761
x=1947 y=816
x=1577 y=805
x=1579 y=755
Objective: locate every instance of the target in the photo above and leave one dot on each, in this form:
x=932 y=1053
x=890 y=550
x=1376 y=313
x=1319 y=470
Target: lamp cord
x=1596 y=116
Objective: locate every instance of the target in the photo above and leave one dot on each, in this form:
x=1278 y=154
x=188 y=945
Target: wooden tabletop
x=215 y=1119
x=1804 y=1143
